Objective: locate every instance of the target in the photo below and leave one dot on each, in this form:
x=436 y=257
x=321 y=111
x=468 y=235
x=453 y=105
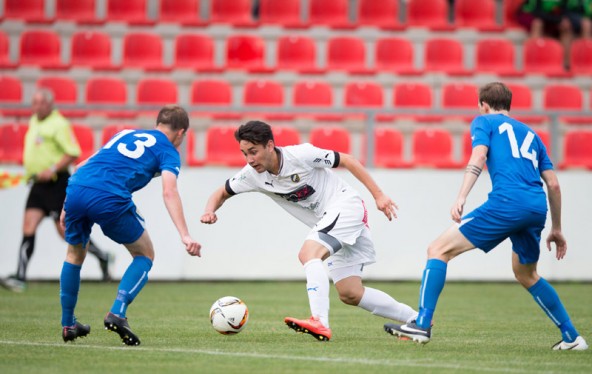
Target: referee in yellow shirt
x=50 y=148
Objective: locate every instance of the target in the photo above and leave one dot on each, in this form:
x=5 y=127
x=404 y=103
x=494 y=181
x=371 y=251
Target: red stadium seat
x=581 y=56
x=444 y=55
x=495 y=56
x=284 y=13
x=142 y=50
x=12 y=94
x=395 y=55
x=428 y=13
x=265 y=93
x=460 y=96
x=215 y=94
x=235 y=12
x=12 y=90
x=332 y=13
x=346 y=53
x=12 y=143
x=559 y=97
x=245 y=52
x=577 y=150
x=26 y=10
x=92 y=49
x=195 y=51
x=543 y=56
x=388 y=148
x=433 y=148
x=363 y=95
x=285 y=135
x=315 y=94
x=110 y=130
x=5 y=62
x=479 y=14
x=81 y=11
x=383 y=14
x=108 y=92
x=222 y=147
x=414 y=96
x=134 y=12
x=41 y=48
x=185 y=12
x=562 y=97
x=156 y=92
x=86 y=139
x=297 y=53
x=333 y=138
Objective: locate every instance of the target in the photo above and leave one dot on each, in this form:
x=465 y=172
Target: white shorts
x=344 y=232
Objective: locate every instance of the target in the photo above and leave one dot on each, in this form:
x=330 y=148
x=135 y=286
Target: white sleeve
x=315 y=157
x=242 y=181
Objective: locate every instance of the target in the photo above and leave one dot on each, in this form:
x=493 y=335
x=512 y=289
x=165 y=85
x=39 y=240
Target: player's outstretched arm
x=214 y=203
x=383 y=202
x=554 y=196
x=472 y=172
x=172 y=201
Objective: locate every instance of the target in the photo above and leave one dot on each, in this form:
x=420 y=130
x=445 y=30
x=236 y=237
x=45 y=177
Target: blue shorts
x=116 y=216
x=487 y=226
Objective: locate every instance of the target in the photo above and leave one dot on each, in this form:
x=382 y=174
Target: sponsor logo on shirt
x=298 y=195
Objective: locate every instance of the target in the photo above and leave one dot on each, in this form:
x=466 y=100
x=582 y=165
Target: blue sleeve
x=544 y=160
x=480 y=132
x=170 y=161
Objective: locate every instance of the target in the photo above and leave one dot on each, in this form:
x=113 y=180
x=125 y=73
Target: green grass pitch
x=479 y=328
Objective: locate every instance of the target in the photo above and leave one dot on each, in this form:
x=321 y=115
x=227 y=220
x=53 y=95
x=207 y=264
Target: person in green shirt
x=50 y=148
x=564 y=20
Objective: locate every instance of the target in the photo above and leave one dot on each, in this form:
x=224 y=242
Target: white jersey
x=304 y=185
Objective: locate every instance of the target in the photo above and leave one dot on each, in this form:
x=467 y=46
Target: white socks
x=317 y=286
x=381 y=304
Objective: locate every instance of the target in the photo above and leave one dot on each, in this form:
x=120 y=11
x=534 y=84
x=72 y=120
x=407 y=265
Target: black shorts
x=49 y=196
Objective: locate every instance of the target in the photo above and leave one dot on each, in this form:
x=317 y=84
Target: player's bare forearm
x=554 y=196
x=172 y=201
x=472 y=172
x=383 y=202
x=214 y=203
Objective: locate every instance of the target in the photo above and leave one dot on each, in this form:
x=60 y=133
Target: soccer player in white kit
x=299 y=179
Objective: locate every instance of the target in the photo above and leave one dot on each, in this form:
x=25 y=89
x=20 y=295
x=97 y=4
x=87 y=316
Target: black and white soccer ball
x=229 y=315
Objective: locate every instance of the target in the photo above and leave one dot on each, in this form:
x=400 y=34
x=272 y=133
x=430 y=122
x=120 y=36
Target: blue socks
x=69 y=287
x=131 y=284
x=545 y=295
x=432 y=283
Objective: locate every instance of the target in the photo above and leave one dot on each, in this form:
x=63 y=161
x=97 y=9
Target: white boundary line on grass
x=348 y=360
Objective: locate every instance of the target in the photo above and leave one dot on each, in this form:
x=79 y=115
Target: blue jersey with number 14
x=515 y=160
x=128 y=162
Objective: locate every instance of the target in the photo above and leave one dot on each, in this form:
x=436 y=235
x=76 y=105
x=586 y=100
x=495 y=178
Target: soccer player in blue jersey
x=100 y=191
x=517 y=209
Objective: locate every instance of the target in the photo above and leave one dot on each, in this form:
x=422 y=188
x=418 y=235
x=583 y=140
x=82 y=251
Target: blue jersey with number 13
x=515 y=160
x=128 y=162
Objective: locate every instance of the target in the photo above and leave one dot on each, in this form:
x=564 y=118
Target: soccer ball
x=229 y=315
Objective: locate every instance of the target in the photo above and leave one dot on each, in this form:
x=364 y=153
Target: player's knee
x=527 y=280
x=350 y=297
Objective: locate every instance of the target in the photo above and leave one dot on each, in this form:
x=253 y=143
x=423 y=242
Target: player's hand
x=209 y=218
x=191 y=246
x=387 y=206
x=560 y=243
x=457 y=209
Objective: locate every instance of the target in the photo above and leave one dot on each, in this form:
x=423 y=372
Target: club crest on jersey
x=295 y=178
